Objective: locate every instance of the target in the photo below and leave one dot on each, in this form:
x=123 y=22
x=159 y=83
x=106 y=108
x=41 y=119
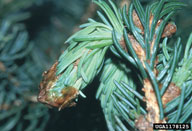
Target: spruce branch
x=82 y=61
x=154 y=109
x=111 y=95
x=139 y=38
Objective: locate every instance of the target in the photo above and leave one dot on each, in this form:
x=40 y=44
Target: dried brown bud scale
x=65 y=98
x=172 y=92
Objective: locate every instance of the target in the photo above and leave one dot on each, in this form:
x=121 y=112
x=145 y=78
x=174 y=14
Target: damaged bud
x=137 y=22
x=172 y=92
x=169 y=30
x=50 y=95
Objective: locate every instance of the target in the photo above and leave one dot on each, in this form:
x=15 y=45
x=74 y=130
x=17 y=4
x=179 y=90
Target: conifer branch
x=139 y=39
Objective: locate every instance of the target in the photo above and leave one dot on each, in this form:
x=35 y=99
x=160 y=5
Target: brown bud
x=69 y=94
x=60 y=99
x=169 y=30
x=136 y=46
x=172 y=92
x=137 y=22
x=49 y=77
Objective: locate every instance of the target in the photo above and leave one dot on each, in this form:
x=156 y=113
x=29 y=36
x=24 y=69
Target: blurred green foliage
x=19 y=74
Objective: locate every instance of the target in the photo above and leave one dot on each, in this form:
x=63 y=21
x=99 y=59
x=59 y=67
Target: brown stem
x=145 y=123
